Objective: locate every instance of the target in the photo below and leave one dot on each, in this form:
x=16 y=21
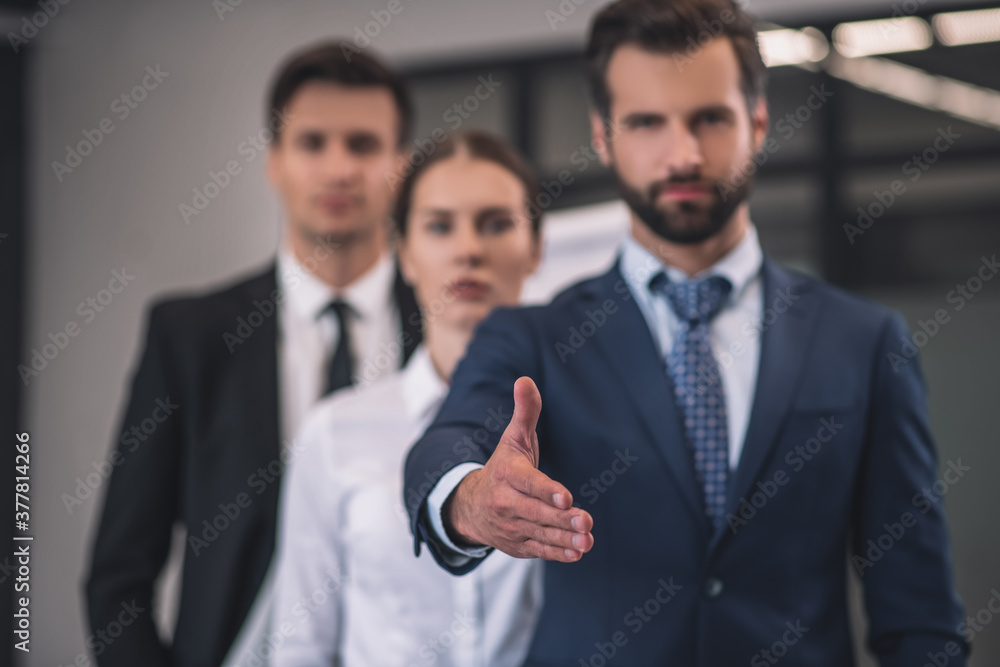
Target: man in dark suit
x=729 y=431
x=239 y=367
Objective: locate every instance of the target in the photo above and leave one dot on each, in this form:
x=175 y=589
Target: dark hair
x=672 y=26
x=344 y=64
x=481 y=145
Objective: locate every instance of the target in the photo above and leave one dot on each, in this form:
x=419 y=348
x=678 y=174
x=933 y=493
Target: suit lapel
x=634 y=360
x=261 y=370
x=783 y=347
x=257 y=437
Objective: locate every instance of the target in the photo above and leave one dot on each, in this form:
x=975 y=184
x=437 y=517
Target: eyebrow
x=490 y=210
x=433 y=211
x=351 y=133
x=494 y=210
x=722 y=109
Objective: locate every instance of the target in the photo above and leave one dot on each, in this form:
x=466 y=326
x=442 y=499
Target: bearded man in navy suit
x=698 y=440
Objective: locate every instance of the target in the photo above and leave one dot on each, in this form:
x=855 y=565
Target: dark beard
x=690 y=223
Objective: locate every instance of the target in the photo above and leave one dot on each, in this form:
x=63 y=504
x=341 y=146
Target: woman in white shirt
x=349 y=590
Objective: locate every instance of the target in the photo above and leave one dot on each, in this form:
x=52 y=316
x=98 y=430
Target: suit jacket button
x=713 y=587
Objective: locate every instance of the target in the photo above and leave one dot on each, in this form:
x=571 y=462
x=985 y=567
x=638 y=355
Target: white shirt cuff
x=435 y=501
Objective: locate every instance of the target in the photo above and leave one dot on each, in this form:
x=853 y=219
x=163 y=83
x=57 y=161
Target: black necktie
x=339 y=373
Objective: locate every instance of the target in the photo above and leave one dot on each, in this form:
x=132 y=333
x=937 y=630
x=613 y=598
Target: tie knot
x=693 y=300
x=340 y=308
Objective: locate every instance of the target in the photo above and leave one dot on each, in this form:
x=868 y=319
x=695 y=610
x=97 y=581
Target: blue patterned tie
x=697 y=381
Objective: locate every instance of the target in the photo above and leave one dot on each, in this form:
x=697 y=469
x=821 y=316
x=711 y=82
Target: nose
x=469 y=244
x=340 y=164
x=682 y=154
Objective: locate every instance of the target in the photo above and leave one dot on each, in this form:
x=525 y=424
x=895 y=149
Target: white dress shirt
x=307 y=336
x=348 y=589
x=308 y=333
x=734 y=333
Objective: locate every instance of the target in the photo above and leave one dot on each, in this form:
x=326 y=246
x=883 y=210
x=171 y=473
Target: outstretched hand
x=512 y=506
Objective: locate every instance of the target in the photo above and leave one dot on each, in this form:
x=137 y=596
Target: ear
x=598 y=134
x=759 y=123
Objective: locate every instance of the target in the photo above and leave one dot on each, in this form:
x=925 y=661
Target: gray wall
x=119 y=210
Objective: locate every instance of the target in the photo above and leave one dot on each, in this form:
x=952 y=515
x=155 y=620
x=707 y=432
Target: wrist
x=453 y=515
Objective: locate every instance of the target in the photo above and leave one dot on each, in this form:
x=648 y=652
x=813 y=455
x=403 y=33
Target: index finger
x=540 y=486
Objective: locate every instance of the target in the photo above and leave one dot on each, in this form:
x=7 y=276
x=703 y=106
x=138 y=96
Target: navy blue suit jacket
x=836 y=454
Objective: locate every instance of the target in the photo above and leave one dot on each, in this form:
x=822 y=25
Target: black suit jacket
x=200 y=447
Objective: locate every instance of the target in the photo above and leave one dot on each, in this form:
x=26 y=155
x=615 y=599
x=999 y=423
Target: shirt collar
x=308 y=296
x=423 y=388
x=740 y=265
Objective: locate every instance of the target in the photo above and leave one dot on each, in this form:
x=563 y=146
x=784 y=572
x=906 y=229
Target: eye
x=312 y=142
x=644 y=122
x=438 y=227
x=363 y=144
x=496 y=224
x=711 y=118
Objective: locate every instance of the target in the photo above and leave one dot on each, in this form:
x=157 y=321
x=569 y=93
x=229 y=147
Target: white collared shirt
x=735 y=346
x=308 y=333
x=307 y=337
x=734 y=333
x=348 y=589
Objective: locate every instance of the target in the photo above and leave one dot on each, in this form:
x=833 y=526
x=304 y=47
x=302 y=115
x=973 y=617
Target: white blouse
x=348 y=589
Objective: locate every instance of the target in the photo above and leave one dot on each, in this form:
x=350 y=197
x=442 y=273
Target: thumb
x=527 y=406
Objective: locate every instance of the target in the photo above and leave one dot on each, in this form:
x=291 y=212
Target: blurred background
x=883 y=176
